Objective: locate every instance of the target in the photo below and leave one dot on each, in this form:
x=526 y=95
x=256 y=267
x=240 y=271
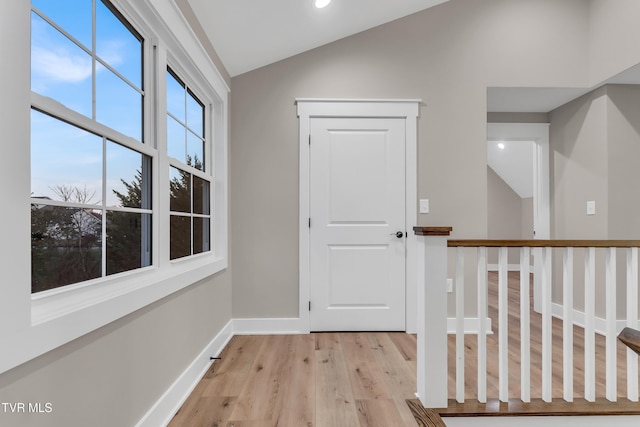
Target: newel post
x=432 y=316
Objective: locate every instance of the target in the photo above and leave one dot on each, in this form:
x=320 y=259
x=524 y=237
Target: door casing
x=408 y=109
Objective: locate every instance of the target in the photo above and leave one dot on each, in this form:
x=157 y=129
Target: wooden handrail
x=432 y=231
x=545 y=243
x=630 y=338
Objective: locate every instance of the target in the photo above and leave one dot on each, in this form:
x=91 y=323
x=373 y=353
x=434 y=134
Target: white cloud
x=61 y=65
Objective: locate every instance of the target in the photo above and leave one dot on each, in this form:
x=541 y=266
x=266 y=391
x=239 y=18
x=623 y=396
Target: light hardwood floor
x=321 y=379
x=360 y=379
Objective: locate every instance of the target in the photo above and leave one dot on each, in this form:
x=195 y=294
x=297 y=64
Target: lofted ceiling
x=248 y=34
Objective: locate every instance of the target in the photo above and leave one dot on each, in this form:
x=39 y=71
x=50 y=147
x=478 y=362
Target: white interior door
x=357 y=224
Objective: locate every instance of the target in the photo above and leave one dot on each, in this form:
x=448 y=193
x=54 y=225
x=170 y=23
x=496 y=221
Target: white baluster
x=611 y=318
x=567 y=325
x=632 y=321
x=589 y=326
x=482 y=333
x=503 y=326
x=525 y=329
x=460 y=324
x=546 y=325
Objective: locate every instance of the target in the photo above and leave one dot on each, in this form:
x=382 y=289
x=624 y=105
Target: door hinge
x=309 y=222
x=309 y=305
x=309 y=139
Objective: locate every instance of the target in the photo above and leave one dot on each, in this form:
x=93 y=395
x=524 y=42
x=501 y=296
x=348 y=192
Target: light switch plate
x=591 y=207
x=424 y=206
x=449 y=285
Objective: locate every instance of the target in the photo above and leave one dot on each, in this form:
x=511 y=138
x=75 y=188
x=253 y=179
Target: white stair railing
x=433 y=300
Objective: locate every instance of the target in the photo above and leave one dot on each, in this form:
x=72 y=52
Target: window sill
x=58 y=317
x=146 y=286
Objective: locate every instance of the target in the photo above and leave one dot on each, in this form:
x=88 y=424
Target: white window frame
x=32 y=325
x=209 y=156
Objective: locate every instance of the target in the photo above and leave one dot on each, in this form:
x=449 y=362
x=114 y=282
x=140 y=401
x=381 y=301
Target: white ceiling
x=248 y=34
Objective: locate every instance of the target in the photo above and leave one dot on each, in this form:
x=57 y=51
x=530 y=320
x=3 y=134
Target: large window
x=92 y=187
x=189 y=187
x=91 y=211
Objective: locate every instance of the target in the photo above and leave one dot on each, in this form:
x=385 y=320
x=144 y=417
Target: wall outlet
x=449 y=285
x=591 y=207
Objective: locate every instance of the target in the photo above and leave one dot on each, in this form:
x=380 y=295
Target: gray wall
x=111 y=377
x=504 y=209
x=509 y=216
x=613 y=37
x=595 y=147
x=623 y=136
x=447 y=56
x=578 y=147
x=496 y=117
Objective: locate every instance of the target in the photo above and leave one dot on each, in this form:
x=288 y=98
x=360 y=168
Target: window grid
x=80 y=211
x=188 y=129
x=203 y=236
x=97 y=60
x=195 y=225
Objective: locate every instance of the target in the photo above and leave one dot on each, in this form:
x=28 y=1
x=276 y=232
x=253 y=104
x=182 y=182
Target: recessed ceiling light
x=501 y=146
x=321 y=3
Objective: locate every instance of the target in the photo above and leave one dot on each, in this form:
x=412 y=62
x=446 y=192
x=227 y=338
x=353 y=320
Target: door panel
x=357 y=206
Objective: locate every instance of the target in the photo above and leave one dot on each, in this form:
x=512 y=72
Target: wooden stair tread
x=557 y=407
x=630 y=338
x=425 y=417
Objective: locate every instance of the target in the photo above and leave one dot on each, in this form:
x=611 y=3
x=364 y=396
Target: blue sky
x=63 y=154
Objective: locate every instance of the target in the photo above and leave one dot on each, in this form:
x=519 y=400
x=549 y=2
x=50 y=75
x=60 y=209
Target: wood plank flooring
x=321 y=379
x=365 y=379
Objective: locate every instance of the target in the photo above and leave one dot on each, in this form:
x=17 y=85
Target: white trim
x=409 y=110
x=471 y=325
x=294 y=325
x=269 y=326
x=579 y=320
x=163 y=411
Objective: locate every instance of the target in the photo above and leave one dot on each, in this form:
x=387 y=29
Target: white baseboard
x=268 y=326
x=287 y=326
x=165 y=408
x=471 y=325
x=578 y=320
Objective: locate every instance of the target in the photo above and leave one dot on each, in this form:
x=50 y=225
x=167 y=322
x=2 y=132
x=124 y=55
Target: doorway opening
x=518 y=159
